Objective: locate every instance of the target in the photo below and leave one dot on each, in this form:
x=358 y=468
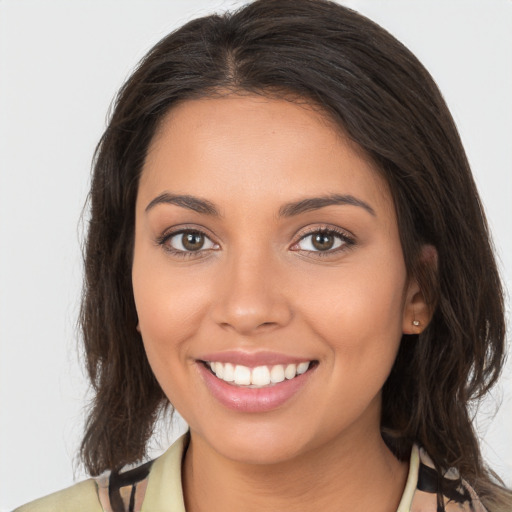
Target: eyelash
x=165 y=237
x=347 y=241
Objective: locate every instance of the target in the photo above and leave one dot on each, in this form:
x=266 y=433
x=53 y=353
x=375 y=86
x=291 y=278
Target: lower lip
x=243 y=399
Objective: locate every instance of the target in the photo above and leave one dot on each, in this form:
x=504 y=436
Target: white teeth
x=229 y=372
x=302 y=368
x=218 y=368
x=290 y=371
x=259 y=376
x=242 y=375
x=277 y=373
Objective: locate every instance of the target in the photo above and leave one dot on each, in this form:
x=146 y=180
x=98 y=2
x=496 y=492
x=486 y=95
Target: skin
x=259 y=284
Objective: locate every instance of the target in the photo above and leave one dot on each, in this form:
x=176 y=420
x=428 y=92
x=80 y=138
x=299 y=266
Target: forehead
x=255 y=146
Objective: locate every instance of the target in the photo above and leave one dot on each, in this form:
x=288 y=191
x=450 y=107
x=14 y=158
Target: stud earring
x=416 y=323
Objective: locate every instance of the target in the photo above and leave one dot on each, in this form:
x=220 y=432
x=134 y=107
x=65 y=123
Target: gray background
x=61 y=63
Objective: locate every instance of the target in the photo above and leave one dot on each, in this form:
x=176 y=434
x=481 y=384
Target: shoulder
x=155 y=485
x=124 y=491
x=112 y=491
x=81 y=497
x=435 y=490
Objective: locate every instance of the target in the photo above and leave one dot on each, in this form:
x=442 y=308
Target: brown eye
x=323 y=241
x=192 y=241
x=189 y=241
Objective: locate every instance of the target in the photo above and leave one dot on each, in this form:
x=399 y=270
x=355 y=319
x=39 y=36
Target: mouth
x=263 y=376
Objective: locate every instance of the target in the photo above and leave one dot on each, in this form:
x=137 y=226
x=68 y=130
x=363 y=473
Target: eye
x=187 y=241
x=323 y=240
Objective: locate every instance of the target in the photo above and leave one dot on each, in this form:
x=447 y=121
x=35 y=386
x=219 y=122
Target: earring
x=416 y=323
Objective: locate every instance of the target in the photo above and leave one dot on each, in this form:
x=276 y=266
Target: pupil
x=323 y=241
x=193 y=241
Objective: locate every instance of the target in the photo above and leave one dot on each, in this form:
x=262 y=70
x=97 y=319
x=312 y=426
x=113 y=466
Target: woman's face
x=267 y=251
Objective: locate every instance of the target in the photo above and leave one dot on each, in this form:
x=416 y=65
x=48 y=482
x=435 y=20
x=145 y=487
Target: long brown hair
x=385 y=100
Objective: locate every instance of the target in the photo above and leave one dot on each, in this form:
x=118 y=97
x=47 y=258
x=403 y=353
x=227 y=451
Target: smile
x=257 y=377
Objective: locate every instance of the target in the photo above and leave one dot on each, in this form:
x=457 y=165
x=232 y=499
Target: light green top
x=81 y=497
x=164 y=491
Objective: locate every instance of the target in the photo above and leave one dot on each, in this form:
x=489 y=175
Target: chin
x=258 y=443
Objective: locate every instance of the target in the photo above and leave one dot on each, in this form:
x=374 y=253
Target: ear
x=417 y=313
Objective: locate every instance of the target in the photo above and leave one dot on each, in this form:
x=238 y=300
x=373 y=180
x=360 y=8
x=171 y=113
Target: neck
x=348 y=474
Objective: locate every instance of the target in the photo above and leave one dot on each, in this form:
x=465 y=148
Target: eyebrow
x=196 y=204
x=315 y=203
x=206 y=207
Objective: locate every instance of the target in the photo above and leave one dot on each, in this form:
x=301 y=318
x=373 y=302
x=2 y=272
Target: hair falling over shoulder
x=371 y=86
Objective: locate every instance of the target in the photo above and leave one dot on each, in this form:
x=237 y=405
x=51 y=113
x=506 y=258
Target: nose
x=251 y=294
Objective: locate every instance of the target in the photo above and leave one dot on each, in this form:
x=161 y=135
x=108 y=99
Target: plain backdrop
x=61 y=63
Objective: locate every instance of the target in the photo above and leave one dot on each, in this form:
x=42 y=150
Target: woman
x=286 y=244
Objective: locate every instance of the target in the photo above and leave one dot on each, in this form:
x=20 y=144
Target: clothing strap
x=123 y=491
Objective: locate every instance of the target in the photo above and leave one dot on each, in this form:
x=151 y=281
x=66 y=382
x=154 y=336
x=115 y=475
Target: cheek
x=357 y=311
x=169 y=305
x=357 y=301
x=357 y=317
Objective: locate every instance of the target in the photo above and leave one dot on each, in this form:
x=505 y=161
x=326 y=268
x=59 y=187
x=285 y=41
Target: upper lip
x=253 y=359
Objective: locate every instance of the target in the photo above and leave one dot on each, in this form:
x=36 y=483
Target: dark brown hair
x=383 y=98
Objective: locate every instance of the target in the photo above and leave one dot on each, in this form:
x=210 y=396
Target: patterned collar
x=428 y=490
x=156 y=485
